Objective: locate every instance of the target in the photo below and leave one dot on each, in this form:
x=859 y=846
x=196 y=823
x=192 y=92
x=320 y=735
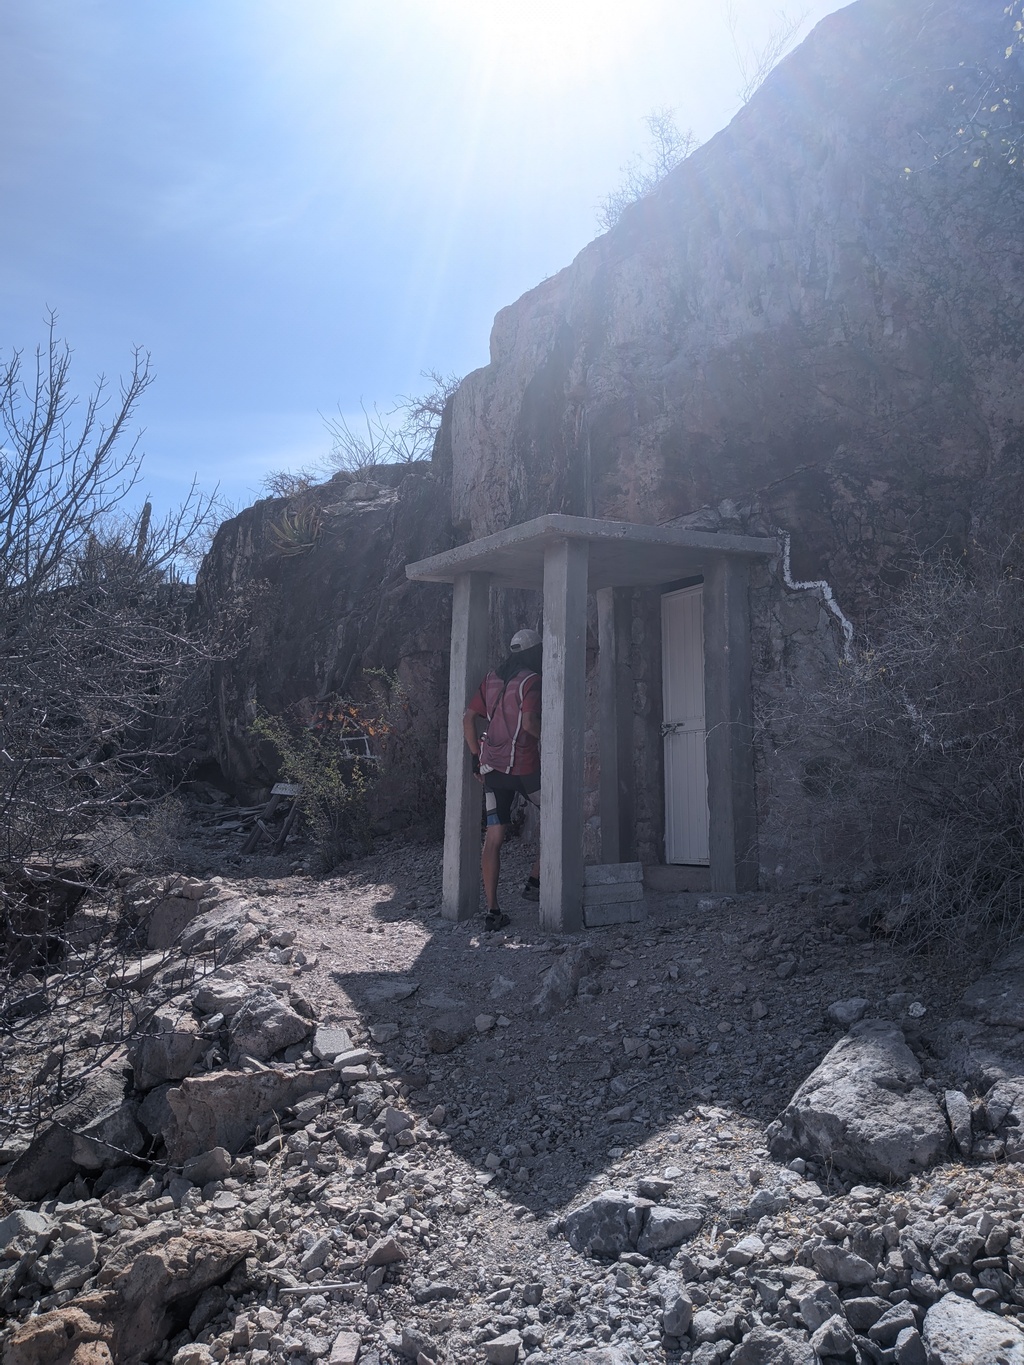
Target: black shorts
x=500 y=791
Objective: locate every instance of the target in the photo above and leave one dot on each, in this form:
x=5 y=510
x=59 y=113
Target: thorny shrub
x=919 y=740
x=329 y=756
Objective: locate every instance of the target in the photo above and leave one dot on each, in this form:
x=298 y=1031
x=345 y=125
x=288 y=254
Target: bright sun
x=543 y=42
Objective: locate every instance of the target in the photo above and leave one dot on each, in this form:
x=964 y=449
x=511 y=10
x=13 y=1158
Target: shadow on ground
x=682 y=1039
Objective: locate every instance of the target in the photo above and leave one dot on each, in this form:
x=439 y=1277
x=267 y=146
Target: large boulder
x=108 y=1138
x=49 y=1161
x=161 y=1277
x=865 y=1110
x=146 y=1281
x=958 y=1332
x=265 y=1025
x=58 y=1338
x=224 y=1108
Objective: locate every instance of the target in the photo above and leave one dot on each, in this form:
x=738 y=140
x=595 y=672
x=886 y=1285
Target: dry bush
x=147 y=843
x=918 y=750
x=98 y=666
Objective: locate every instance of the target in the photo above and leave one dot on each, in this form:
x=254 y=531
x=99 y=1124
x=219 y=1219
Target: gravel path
x=418 y=1210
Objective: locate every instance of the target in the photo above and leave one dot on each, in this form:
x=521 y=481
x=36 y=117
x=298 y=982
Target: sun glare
x=542 y=42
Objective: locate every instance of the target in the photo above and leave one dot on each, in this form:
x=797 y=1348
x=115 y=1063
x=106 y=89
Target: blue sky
x=298 y=205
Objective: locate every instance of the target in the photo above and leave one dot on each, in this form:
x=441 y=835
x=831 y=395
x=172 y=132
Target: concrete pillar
x=727 y=662
x=463 y=803
x=615 y=721
x=561 y=792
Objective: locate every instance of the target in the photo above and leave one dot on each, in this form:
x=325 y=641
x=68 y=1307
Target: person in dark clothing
x=502 y=728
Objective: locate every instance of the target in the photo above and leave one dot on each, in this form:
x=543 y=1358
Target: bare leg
x=490 y=863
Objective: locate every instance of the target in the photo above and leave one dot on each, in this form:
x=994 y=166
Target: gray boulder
x=330 y=1040
x=847 y=1012
x=607 y=1225
x=842 y=1266
x=666 y=1227
x=998 y=997
x=168 y=918
x=221 y=993
x=25 y=1230
x=48 y=1161
x=71 y=1264
x=167 y=1051
x=616 y=1221
x=677 y=1309
x=864 y=1109
x=224 y=933
x=833 y=1340
x=265 y=1025
x=958 y=1111
x=818 y=1303
x=764 y=1347
x=105 y=1141
x=559 y=983
x=207 y=1166
x=958 y=1332
x=1004 y=1114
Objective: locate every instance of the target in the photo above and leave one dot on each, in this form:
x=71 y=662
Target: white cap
x=525 y=639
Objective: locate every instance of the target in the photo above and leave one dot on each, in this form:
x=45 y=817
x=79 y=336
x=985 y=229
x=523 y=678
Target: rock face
x=305 y=592
x=773 y=313
x=795 y=332
x=865 y=1110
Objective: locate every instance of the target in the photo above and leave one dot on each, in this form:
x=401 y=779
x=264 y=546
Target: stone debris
x=355 y=1194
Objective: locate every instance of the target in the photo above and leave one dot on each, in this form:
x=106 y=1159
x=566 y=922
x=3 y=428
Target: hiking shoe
x=531 y=889
x=495 y=920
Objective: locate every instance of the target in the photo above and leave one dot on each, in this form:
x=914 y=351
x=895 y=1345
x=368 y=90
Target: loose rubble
x=342 y=1130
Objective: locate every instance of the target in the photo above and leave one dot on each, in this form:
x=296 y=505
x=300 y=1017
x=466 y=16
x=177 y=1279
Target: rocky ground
x=331 y=1126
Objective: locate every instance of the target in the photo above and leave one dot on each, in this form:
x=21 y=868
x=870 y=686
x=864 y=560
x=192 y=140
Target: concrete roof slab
x=623 y=554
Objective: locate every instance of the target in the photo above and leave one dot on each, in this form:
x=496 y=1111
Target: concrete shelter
x=566 y=558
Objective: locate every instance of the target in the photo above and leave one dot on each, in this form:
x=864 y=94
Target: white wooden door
x=682 y=684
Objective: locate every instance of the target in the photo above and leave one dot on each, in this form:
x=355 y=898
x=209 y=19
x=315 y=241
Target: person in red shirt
x=502 y=728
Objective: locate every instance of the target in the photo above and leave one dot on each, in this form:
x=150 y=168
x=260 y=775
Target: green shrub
x=337 y=773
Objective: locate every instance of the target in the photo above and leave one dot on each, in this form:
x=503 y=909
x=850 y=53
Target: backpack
x=504 y=704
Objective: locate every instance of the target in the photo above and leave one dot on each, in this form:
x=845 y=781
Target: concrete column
x=561 y=792
x=463 y=803
x=727 y=663
x=615 y=720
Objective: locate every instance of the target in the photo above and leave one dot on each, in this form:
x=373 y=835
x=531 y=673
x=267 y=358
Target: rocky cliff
x=302 y=595
x=794 y=321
